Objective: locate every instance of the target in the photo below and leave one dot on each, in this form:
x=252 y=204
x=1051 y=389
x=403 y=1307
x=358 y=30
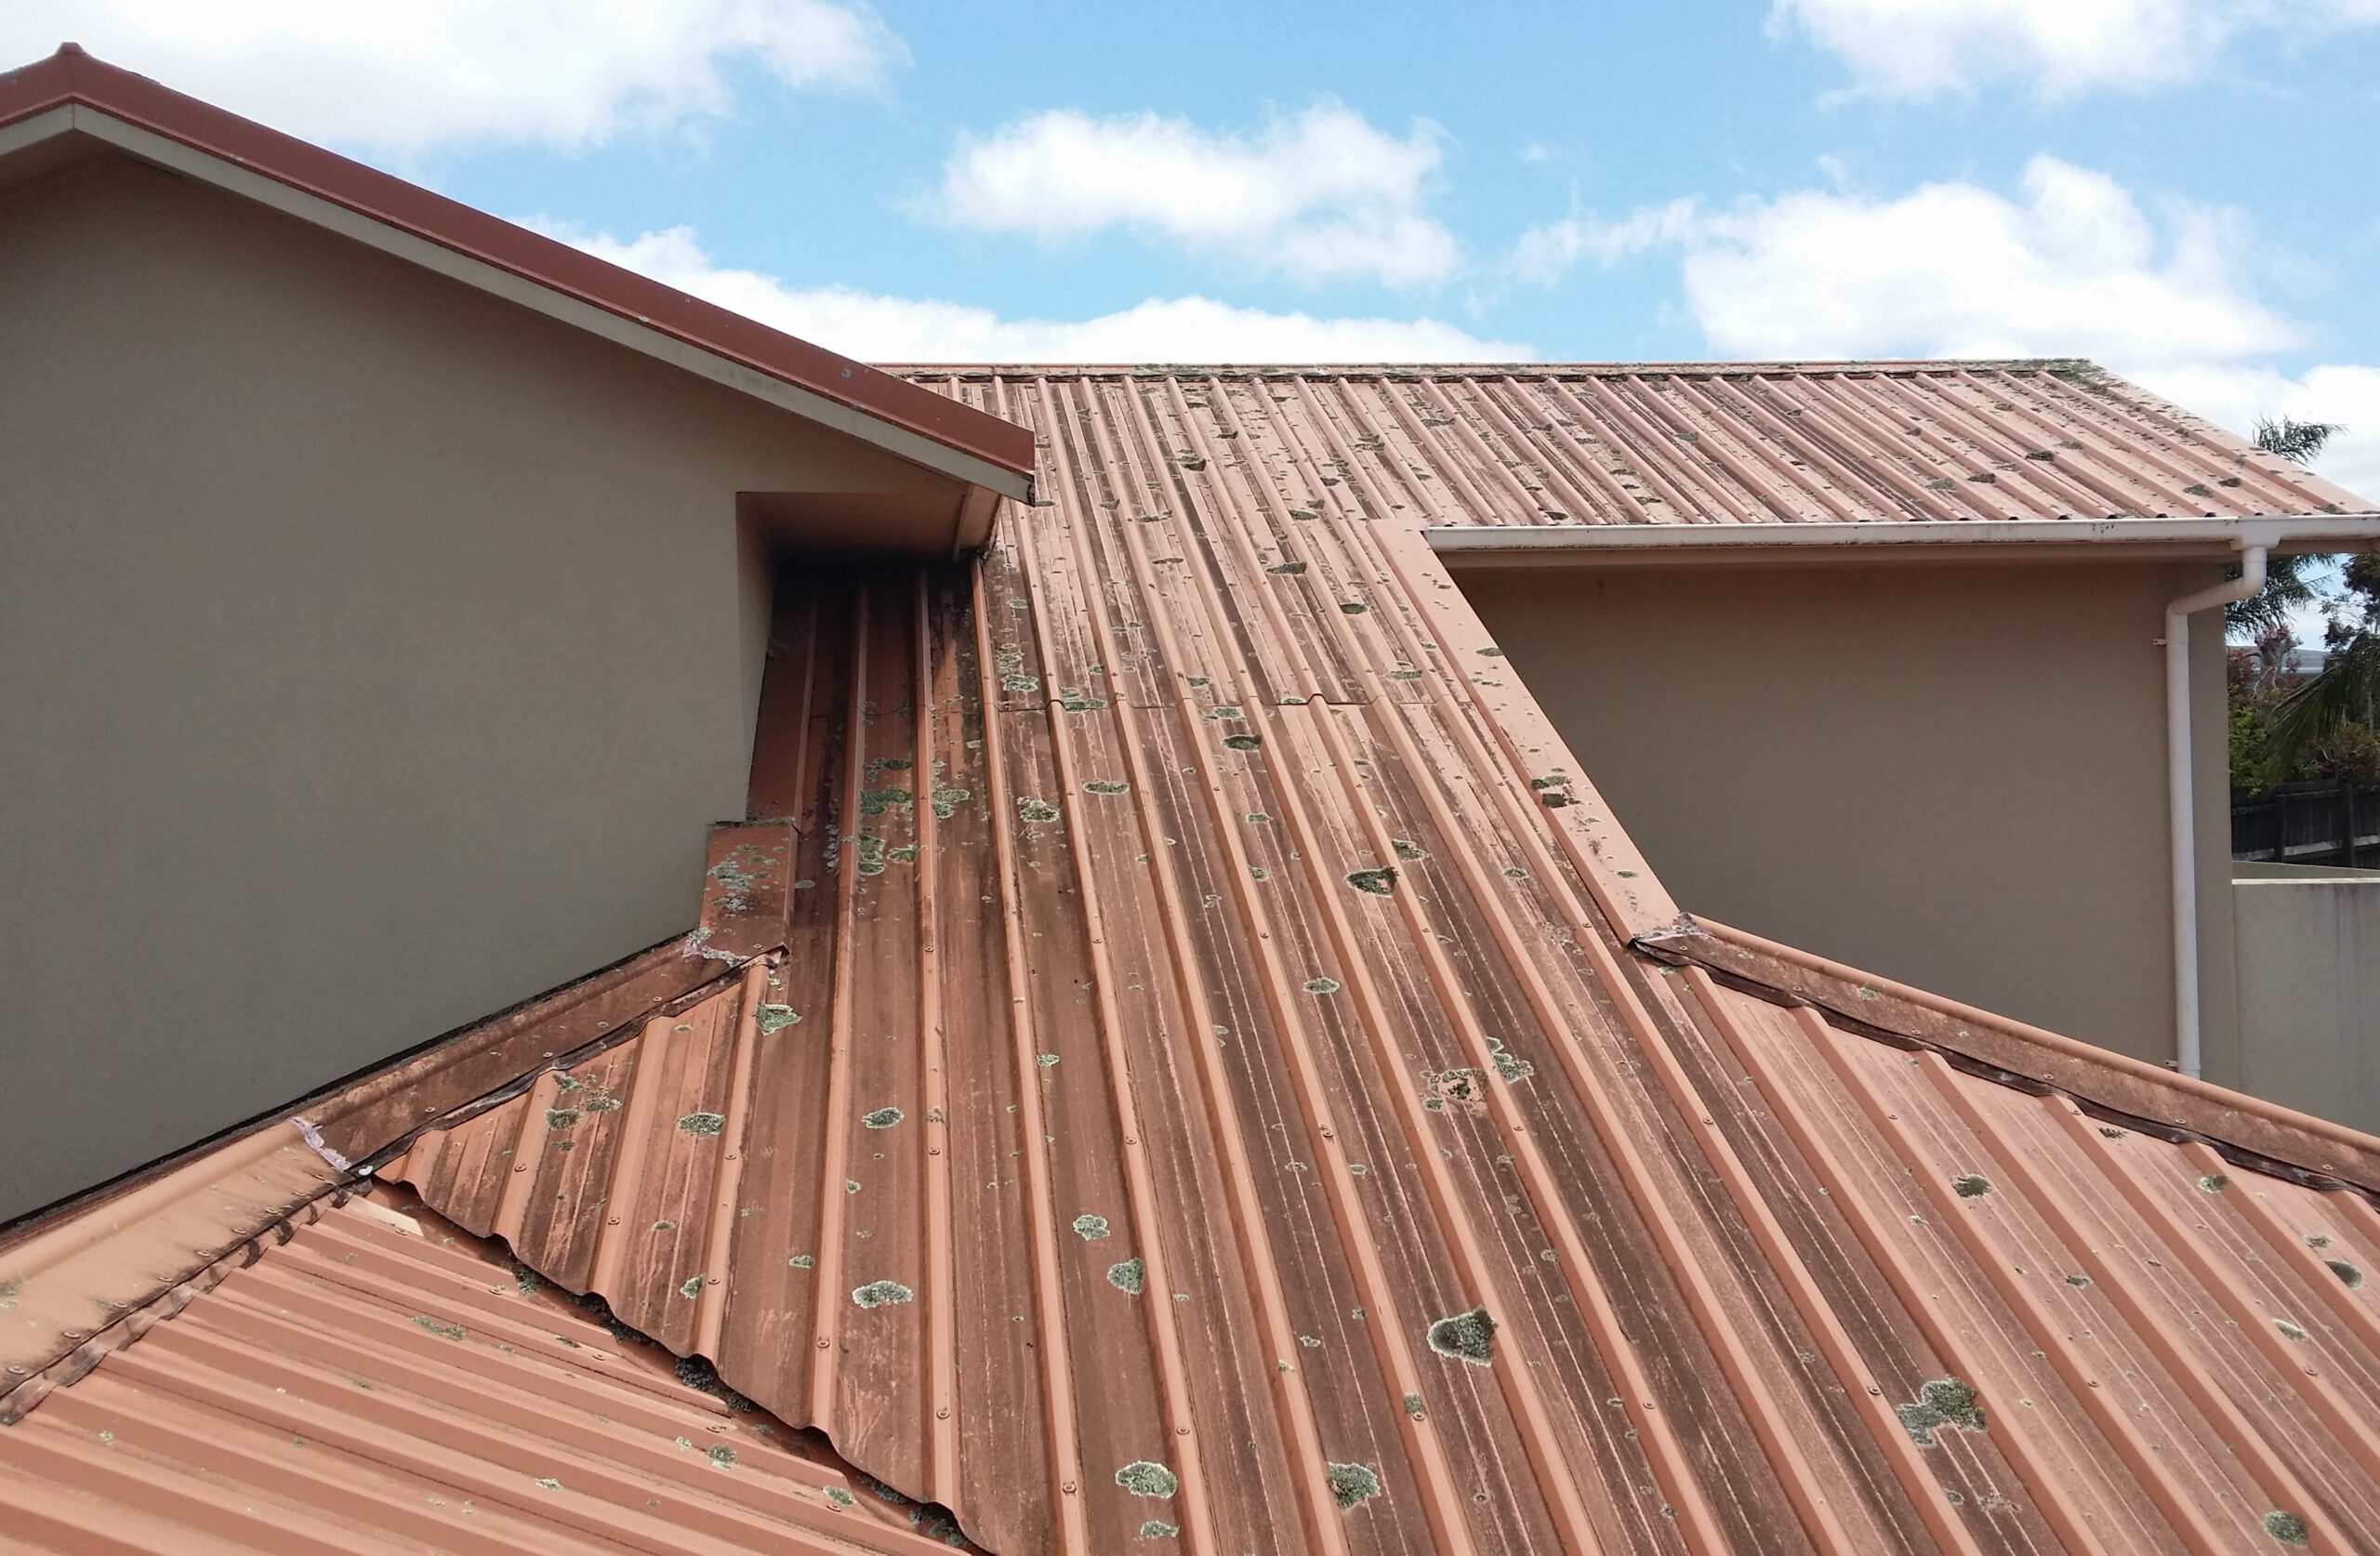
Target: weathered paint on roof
x=377 y=1382
x=71 y=78
x=1206 y=999
x=1710 y=442
x=1211 y=1079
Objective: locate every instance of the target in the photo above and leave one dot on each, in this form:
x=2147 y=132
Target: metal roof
x=379 y=1382
x=1720 y=442
x=71 y=91
x=1209 y=1075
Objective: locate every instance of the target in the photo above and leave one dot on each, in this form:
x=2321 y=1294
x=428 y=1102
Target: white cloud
x=1323 y=196
x=2072 y=267
x=1920 y=48
x=878 y=329
x=2236 y=396
x=2075 y=269
x=398 y=75
x=1545 y=254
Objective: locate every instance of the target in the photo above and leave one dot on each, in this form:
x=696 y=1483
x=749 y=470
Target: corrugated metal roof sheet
x=369 y=1386
x=1189 y=1021
x=1700 y=442
x=1213 y=1091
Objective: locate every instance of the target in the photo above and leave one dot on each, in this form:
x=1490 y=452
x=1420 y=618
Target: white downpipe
x=2180 y=804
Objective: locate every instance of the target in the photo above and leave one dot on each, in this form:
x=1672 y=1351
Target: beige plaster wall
x=378 y=654
x=1950 y=775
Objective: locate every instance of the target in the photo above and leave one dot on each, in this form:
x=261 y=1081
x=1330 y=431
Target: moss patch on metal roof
x=1352 y=1484
x=1943 y=1402
x=1143 y=1477
x=1469 y=1336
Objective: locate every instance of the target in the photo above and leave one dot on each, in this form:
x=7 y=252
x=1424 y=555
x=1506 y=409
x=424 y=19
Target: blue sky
x=2183 y=190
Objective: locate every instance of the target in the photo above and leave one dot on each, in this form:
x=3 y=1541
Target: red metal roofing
x=71 y=77
x=1713 y=443
x=1202 y=995
x=379 y=1383
x=1215 y=1078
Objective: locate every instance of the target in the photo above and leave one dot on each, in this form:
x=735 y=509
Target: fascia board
x=1997 y=541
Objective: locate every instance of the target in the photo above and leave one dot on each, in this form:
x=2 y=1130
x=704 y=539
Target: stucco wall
x=1951 y=776
x=378 y=654
x=2309 y=987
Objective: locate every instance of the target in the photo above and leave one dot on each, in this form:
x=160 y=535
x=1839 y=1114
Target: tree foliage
x=2328 y=725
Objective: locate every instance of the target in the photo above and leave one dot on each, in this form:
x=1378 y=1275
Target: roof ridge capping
x=2056 y=366
x=2291 y=1144
x=73 y=91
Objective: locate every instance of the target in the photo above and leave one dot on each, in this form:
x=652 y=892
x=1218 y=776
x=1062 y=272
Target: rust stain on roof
x=1184 y=1060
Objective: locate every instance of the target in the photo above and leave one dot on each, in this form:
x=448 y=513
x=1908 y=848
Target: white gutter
x=2181 y=806
x=1940 y=539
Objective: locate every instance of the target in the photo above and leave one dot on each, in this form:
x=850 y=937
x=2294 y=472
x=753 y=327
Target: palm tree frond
x=2300 y=440
x=2346 y=690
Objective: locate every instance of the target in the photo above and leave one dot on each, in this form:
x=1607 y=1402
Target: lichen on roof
x=1468 y=1337
x=1145 y=1478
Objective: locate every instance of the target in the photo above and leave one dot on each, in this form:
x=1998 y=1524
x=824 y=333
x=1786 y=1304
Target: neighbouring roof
x=1709 y=442
x=1182 y=1060
x=70 y=92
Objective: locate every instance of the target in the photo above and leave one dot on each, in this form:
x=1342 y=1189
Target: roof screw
x=933 y=1149
x=1181 y=1431
x=1874 y=1389
x=943 y=1414
x=520 y=1166
x=713 y=1281
x=1131 y=1140
x=1069 y=1488
x=823 y=1342
x=15 y=1368
x=614 y=1220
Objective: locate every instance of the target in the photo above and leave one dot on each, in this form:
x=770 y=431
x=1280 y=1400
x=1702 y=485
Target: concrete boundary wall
x=2309 y=945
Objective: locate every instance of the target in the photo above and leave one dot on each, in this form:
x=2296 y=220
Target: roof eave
x=1927 y=541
